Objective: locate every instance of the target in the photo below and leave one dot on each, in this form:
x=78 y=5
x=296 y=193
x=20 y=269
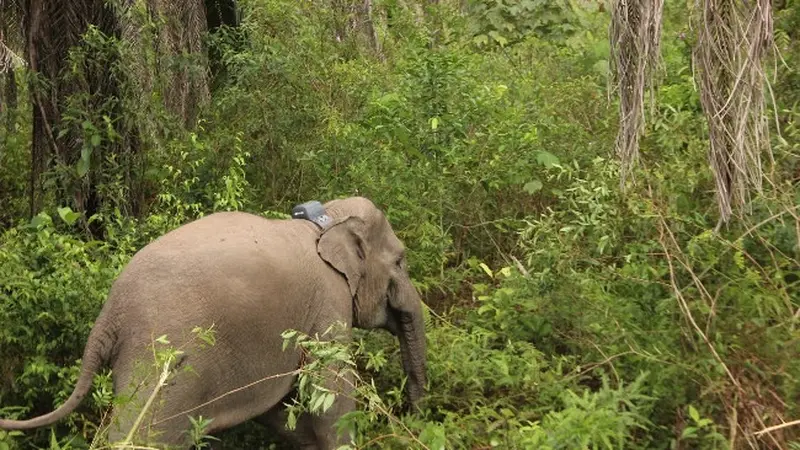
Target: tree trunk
x=33 y=25
x=434 y=21
x=219 y=13
x=342 y=12
x=186 y=26
x=10 y=98
x=368 y=27
x=53 y=28
x=354 y=25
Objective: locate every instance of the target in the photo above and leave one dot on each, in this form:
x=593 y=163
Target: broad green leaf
x=68 y=215
x=40 y=219
x=486 y=269
x=485 y=308
x=480 y=39
x=547 y=159
x=82 y=167
x=329 y=398
x=317 y=403
x=532 y=187
x=433 y=436
x=84 y=163
x=694 y=414
x=498 y=38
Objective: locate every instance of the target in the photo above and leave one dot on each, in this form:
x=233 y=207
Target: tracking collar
x=313 y=211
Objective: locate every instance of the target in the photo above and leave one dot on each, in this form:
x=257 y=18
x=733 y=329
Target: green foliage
x=52 y=285
x=326 y=372
x=15 y=138
x=506 y=22
x=563 y=315
x=197 y=434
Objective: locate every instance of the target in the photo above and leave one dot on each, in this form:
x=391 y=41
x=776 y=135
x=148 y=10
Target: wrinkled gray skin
x=251 y=278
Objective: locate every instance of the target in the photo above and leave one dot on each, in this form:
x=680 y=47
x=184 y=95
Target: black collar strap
x=312 y=211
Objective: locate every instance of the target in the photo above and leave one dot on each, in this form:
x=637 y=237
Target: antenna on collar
x=313 y=211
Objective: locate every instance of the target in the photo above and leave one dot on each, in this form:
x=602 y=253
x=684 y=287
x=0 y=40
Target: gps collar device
x=313 y=211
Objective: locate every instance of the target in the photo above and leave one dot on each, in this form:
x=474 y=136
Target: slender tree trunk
x=368 y=27
x=33 y=26
x=354 y=25
x=342 y=12
x=8 y=97
x=11 y=90
x=434 y=22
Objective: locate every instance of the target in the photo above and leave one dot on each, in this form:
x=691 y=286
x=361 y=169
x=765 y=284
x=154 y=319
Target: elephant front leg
x=324 y=425
x=301 y=437
x=315 y=431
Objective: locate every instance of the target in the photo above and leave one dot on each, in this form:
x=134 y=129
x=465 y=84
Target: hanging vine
x=733 y=38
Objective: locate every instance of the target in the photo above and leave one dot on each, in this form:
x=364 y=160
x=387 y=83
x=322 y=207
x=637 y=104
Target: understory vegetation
x=563 y=312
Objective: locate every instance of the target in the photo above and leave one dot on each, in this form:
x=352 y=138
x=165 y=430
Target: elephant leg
x=126 y=415
x=312 y=431
x=302 y=437
x=324 y=425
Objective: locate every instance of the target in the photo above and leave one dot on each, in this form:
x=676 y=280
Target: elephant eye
x=400 y=260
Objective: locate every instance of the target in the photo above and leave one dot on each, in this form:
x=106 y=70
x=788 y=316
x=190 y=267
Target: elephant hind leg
x=133 y=391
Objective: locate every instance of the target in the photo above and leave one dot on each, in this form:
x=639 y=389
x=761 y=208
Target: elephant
x=250 y=278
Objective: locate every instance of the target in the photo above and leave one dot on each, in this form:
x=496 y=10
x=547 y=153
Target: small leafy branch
x=328 y=357
x=318 y=356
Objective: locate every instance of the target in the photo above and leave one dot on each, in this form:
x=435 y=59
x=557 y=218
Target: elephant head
x=361 y=245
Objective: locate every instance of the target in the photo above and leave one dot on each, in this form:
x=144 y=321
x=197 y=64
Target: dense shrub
x=565 y=312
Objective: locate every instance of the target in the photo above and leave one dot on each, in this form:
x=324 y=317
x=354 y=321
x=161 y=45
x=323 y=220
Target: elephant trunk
x=411 y=334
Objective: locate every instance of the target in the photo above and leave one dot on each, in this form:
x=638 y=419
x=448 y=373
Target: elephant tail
x=97 y=352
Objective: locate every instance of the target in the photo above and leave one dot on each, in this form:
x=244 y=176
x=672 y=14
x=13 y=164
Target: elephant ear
x=343 y=246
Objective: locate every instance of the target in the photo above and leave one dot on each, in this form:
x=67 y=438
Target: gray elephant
x=252 y=278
